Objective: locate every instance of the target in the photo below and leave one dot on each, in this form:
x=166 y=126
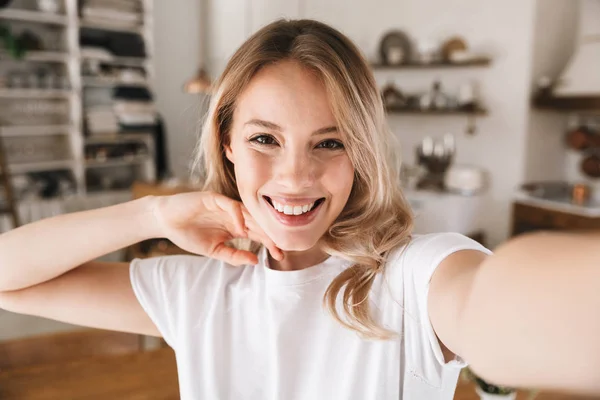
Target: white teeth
x=292 y=210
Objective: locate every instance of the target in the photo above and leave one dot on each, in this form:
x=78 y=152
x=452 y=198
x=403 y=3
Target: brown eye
x=266 y=140
x=330 y=144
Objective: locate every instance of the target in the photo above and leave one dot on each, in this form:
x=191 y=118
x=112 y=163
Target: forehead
x=288 y=94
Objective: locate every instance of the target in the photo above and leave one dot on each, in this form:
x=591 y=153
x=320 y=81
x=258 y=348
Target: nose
x=296 y=170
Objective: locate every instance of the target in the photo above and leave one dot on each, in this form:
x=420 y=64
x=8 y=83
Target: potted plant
x=488 y=391
x=12 y=44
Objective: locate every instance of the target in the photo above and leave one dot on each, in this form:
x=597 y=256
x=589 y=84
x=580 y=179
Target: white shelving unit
x=42 y=56
x=108 y=27
x=40 y=166
x=33 y=130
x=15 y=14
x=70 y=57
x=35 y=94
x=144 y=163
x=117 y=162
x=103 y=83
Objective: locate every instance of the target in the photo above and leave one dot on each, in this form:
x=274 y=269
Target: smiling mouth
x=294 y=210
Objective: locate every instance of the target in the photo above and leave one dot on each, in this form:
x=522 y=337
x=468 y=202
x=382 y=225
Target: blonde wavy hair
x=376 y=218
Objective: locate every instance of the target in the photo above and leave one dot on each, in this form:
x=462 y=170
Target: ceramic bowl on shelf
x=395 y=48
x=465 y=179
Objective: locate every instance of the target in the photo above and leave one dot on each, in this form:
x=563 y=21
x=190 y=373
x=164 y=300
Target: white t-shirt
x=252 y=332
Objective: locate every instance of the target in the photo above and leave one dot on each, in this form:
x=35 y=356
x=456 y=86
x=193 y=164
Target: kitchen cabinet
x=529 y=218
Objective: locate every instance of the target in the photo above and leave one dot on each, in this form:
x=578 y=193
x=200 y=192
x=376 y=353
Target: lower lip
x=294 y=220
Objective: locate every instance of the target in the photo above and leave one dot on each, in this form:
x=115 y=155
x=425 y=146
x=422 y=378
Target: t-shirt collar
x=332 y=265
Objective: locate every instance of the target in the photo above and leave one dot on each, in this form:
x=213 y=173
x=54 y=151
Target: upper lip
x=293 y=201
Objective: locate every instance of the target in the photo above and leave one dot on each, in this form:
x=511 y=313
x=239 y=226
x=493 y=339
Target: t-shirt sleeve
x=152 y=283
x=423 y=256
x=163 y=285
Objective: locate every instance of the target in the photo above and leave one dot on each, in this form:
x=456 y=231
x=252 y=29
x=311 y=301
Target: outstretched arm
x=527 y=316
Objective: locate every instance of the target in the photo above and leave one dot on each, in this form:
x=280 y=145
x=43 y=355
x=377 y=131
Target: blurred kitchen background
x=496 y=105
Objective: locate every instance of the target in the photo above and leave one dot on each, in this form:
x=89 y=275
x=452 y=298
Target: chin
x=291 y=242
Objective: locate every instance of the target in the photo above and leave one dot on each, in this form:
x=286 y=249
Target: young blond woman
x=339 y=300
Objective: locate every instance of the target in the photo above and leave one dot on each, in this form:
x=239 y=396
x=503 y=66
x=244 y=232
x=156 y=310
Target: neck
x=297 y=260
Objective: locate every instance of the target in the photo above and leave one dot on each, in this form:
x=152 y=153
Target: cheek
x=339 y=178
x=252 y=170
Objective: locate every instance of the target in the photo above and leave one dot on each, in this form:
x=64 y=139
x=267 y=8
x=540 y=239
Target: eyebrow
x=270 y=125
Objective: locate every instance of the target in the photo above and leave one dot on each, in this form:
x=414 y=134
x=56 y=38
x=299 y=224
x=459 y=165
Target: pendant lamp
x=199 y=84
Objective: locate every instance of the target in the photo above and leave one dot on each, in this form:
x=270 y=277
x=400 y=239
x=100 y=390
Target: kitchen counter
x=589 y=211
x=445 y=212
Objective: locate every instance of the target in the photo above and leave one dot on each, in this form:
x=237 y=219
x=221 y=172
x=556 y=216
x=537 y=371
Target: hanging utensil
x=591 y=166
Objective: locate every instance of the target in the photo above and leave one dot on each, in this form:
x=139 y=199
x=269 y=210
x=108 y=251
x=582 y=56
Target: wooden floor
x=150 y=375
x=466 y=391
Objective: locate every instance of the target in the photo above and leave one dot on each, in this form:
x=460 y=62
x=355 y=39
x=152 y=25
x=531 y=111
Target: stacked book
x=101 y=120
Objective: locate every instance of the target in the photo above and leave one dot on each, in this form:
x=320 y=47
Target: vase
x=489 y=396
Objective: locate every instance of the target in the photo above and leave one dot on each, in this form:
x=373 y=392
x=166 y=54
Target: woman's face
x=292 y=171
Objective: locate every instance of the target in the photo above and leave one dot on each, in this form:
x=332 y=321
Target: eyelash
x=259 y=139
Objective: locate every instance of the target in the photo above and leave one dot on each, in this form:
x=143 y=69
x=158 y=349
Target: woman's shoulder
x=174 y=261
x=432 y=247
x=182 y=269
x=410 y=267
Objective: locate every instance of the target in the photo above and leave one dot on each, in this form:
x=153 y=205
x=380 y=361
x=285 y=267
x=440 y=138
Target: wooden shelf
x=115 y=192
x=40 y=130
x=14 y=14
x=124 y=61
x=568 y=104
x=21 y=168
x=108 y=27
x=413 y=111
x=34 y=93
x=109 y=83
x=38 y=56
x=116 y=162
x=118 y=138
x=480 y=62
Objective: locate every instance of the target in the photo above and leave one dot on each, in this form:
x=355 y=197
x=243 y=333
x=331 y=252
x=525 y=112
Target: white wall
x=177 y=36
x=502 y=28
x=555 y=33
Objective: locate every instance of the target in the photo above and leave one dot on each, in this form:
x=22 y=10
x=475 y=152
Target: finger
x=252 y=224
x=234 y=209
x=273 y=250
x=234 y=256
x=258 y=235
